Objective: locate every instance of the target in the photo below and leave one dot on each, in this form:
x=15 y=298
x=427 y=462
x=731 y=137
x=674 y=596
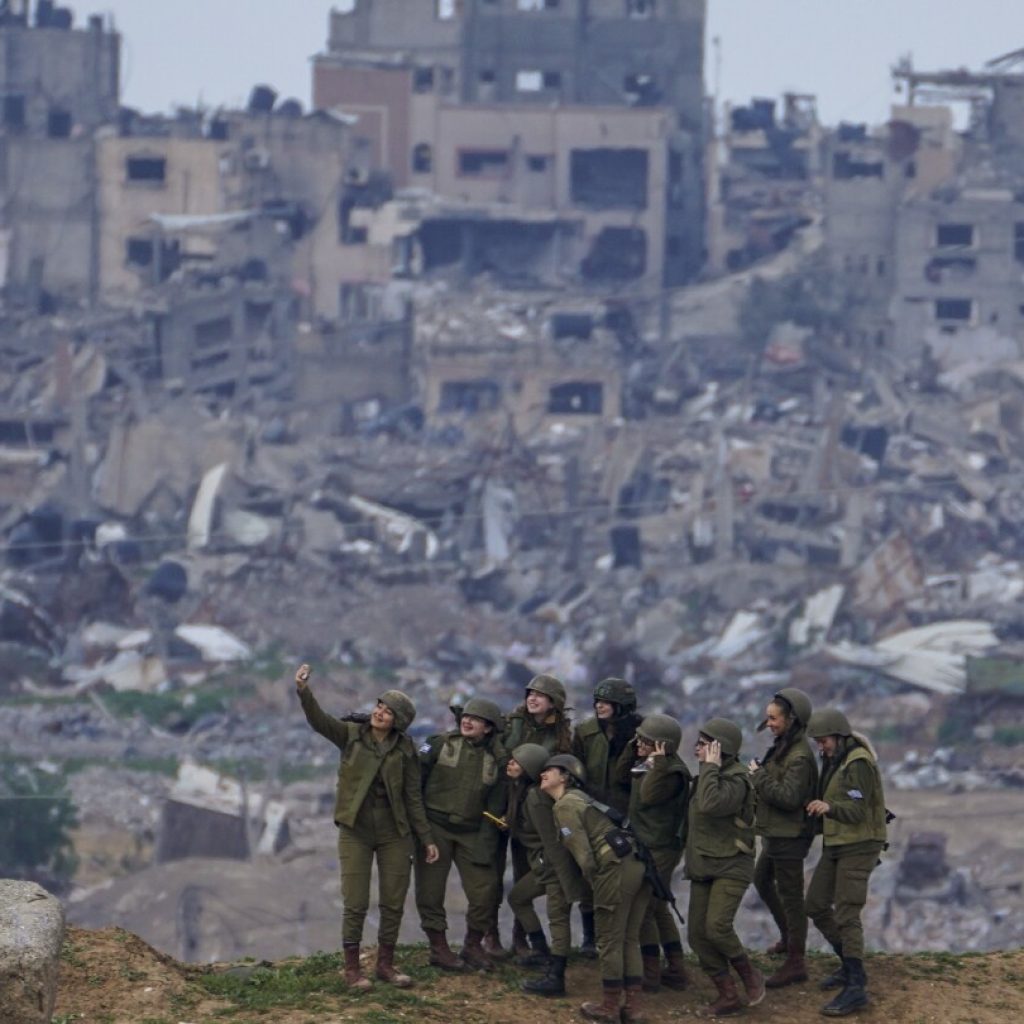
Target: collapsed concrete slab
x=31 y=935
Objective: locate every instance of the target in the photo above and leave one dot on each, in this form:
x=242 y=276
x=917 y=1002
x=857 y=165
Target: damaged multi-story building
x=58 y=85
x=562 y=141
x=769 y=183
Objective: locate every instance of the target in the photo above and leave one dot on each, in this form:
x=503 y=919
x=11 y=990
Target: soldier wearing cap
x=553 y=873
x=785 y=780
x=542 y=719
x=378 y=807
x=616 y=878
x=657 y=811
x=463 y=776
x=719 y=861
x=851 y=811
x=601 y=742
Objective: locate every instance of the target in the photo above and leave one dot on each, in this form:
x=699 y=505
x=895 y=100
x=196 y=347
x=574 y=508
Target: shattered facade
x=58 y=85
x=426 y=92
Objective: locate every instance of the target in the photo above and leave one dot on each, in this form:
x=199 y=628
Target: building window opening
x=14 y=111
x=640 y=8
x=577 y=398
x=536 y=163
x=957 y=310
x=422 y=158
x=641 y=90
x=58 y=124
x=423 y=80
x=146 y=168
x=529 y=81
x=469 y=396
x=609 y=178
x=1018 y=242
x=954 y=236
x=536 y=5
x=482 y=163
x=139 y=252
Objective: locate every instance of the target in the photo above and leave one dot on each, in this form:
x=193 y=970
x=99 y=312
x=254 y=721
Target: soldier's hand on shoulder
x=302 y=678
x=818 y=808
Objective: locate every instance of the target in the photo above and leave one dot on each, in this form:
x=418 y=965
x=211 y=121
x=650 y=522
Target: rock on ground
x=31 y=936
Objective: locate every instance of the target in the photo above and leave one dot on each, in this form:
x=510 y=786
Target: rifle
x=659 y=889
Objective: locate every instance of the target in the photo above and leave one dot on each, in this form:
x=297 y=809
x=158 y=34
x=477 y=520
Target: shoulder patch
x=855 y=794
x=565 y=830
x=425 y=748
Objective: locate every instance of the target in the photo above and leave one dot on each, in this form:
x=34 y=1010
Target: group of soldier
x=600 y=816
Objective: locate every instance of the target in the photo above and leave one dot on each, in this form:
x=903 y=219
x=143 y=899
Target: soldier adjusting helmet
x=798 y=701
x=828 y=722
x=531 y=757
x=617 y=692
x=571 y=765
x=661 y=729
x=727 y=733
x=481 y=707
x=400 y=706
x=550 y=687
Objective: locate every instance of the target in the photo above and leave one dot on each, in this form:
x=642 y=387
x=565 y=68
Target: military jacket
x=582 y=829
x=551 y=862
x=604 y=774
x=784 y=786
x=856 y=801
x=523 y=728
x=362 y=761
x=720 y=837
x=658 y=803
x=461 y=780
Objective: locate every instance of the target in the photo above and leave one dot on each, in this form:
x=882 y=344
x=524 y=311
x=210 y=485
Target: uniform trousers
x=373 y=835
x=711 y=922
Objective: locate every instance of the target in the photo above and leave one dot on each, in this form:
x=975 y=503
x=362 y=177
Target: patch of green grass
x=1009 y=736
x=178 y=709
x=309 y=984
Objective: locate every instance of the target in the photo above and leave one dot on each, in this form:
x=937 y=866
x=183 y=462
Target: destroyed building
x=566 y=82
x=769 y=183
x=59 y=83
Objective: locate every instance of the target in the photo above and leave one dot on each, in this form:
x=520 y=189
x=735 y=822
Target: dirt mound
x=113 y=977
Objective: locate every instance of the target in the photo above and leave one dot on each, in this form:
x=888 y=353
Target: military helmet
x=481 y=707
x=400 y=706
x=531 y=757
x=727 y=733
x=550 y=687
x=661 y=729
x=570 y=764
x=798 y=701
x=828 y=722
x=618 y=692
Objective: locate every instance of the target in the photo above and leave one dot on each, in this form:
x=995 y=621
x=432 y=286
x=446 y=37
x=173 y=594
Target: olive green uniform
x=619 y=889
x=853 y=836
x=784 y=785
x=552 y=871
x=461 y=780
x=378 y=807
x=658 y=806
x=719 y=860
x=602 y=756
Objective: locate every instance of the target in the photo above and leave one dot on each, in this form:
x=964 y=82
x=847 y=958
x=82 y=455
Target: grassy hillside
x=113 y=977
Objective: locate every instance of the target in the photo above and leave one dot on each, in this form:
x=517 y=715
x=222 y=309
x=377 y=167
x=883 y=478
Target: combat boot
x=853 y=997
x=588 y=947
x=674 y=976
x=651 y=957
x=386 y=967
x=631 y=1012
x=752 y=978
x=472 y=952
x=492 y=946
x=539 y=952
x=837 y=979
x=793 y=969
x=440 y=953
x=728 y=1002
x=520 y=940
x=779 y=947
x=606 y=1011
x=550 y=984
x=353 y=969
